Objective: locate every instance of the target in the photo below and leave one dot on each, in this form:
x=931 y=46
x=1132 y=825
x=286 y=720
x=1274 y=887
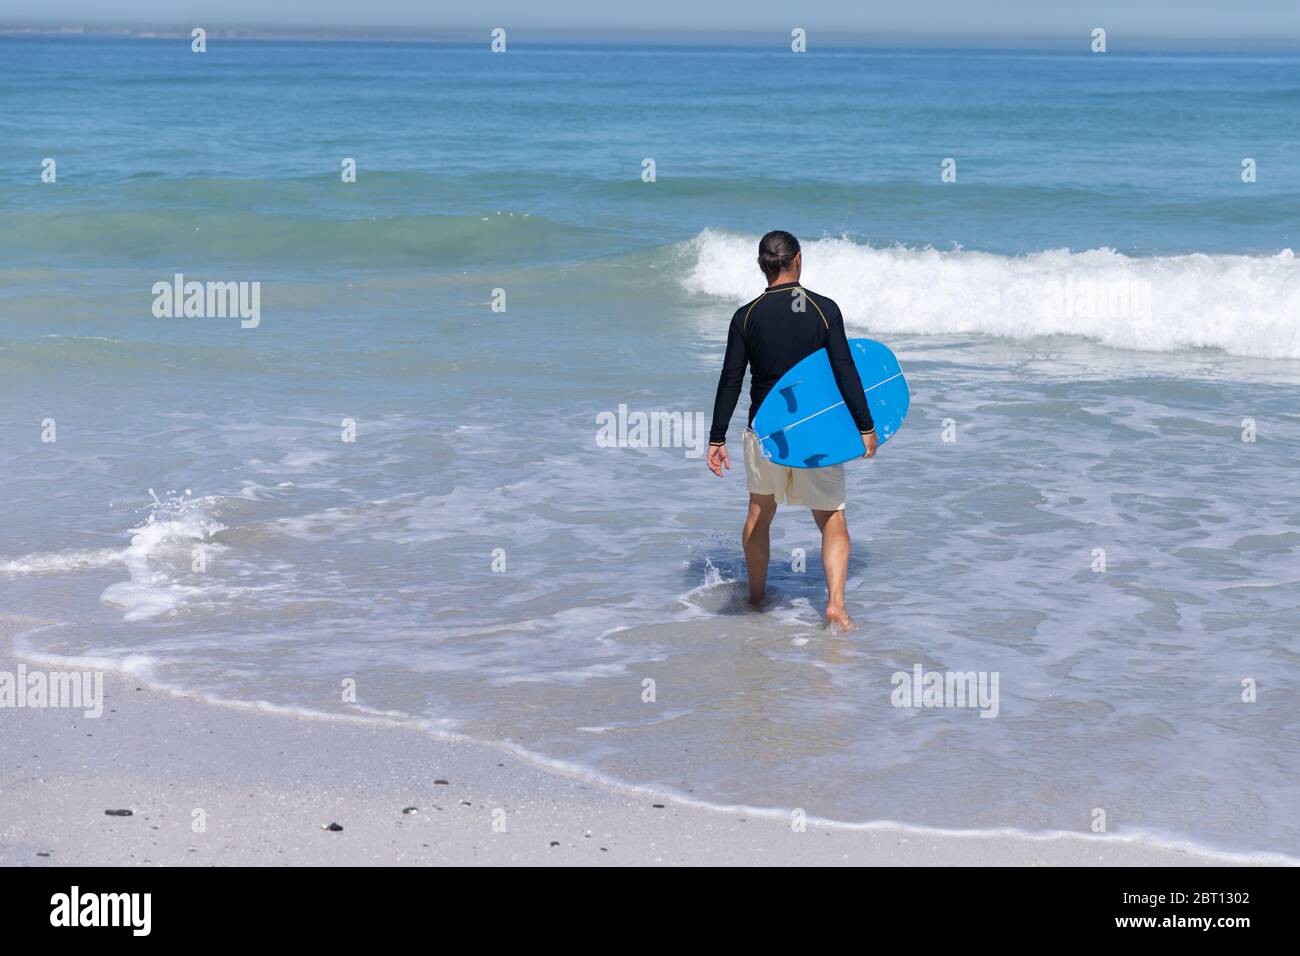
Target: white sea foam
x=133 y=665
x=56 y=561
x=1244 y=305
x=158 y=547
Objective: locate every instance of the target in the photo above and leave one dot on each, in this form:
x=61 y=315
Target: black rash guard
x=772 y=335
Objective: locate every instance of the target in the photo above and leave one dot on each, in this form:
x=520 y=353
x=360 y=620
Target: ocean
x=392 y=496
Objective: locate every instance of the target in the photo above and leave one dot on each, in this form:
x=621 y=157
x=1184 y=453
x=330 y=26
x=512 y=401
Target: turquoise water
x=1092 y=309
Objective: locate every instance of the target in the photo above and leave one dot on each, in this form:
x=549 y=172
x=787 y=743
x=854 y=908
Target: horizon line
x=642 y=36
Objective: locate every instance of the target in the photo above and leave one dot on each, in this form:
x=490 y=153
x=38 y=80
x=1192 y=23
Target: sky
x=1215 y=21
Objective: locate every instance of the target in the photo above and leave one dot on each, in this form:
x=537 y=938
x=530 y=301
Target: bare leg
x=757 y=546
x=835 y=561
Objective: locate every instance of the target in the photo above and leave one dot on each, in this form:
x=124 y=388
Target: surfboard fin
x=781 y=442
x=791 y=403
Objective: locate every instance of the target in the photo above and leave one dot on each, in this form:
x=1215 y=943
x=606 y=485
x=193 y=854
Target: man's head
x=779 y=257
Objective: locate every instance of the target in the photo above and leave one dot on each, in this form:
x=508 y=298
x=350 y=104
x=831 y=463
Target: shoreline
x=265 y=783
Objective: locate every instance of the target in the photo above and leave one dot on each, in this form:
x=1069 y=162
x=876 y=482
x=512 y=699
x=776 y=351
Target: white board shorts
x=821 y=489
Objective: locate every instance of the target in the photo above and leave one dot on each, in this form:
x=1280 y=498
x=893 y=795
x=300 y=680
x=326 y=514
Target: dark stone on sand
x=410 y=810
x=555 y=843
x=657 y=806
x=333 y=828
x=119 y=813
x=442 y=782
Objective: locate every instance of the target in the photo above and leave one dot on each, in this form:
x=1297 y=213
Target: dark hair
x=776 y=251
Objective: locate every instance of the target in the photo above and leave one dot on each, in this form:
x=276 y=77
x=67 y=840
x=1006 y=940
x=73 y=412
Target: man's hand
x=718 y=459
x=869 y=445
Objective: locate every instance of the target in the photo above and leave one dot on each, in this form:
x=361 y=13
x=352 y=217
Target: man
x=784 y=325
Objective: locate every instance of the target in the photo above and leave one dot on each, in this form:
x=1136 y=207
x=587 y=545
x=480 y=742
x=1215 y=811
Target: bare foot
x=837 y=617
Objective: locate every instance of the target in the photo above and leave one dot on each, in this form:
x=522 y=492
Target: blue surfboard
x=804 y=423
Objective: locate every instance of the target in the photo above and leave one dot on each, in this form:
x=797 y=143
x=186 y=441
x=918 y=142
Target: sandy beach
x=269 y=785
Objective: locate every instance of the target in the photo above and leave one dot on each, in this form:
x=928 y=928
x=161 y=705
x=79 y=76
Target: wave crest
x=1243 y=304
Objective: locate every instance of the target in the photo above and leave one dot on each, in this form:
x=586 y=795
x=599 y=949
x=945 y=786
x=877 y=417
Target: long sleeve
x=729 y=383
x=846 y=373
